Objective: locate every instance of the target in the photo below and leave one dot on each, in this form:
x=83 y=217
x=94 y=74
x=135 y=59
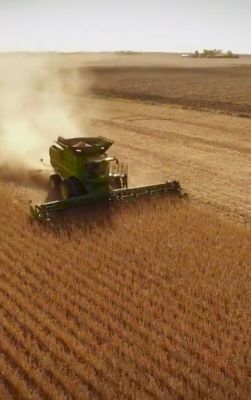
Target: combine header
x=85 y=174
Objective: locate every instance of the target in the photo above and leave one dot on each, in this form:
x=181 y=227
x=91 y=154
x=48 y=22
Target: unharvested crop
x=148 y=300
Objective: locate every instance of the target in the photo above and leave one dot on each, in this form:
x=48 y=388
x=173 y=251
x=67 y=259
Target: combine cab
x=86 y=174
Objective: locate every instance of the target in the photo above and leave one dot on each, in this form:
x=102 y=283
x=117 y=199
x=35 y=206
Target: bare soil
x=220 y=89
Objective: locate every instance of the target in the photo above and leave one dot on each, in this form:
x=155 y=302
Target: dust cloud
x=37 y=104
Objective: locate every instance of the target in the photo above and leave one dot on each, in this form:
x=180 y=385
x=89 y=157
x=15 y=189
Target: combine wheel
x=65 y=190
x=55 y=181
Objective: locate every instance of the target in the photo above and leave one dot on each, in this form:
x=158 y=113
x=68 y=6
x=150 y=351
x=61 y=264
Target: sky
x=139 y=25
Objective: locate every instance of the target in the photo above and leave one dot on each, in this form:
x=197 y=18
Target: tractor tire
x=55 y=182
x=65 y=190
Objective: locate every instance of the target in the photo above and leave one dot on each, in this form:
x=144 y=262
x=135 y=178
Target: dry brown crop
x=146 y=301
x=149 y=299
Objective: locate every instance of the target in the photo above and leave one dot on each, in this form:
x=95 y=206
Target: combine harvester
x=86 y=174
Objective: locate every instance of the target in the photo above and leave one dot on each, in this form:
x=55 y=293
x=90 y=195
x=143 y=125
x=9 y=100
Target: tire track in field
x=172 y=136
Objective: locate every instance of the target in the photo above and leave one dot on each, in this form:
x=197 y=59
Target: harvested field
x=222 y=89
x=209 y=154
x=150 y=301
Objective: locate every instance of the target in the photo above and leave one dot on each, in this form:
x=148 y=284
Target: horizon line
x=100 y=52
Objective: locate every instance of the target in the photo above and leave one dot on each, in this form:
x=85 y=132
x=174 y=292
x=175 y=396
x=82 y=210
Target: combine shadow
x=104 y=214
x=84 y=217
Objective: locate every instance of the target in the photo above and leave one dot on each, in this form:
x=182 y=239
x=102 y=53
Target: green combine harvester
x=86 y=174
